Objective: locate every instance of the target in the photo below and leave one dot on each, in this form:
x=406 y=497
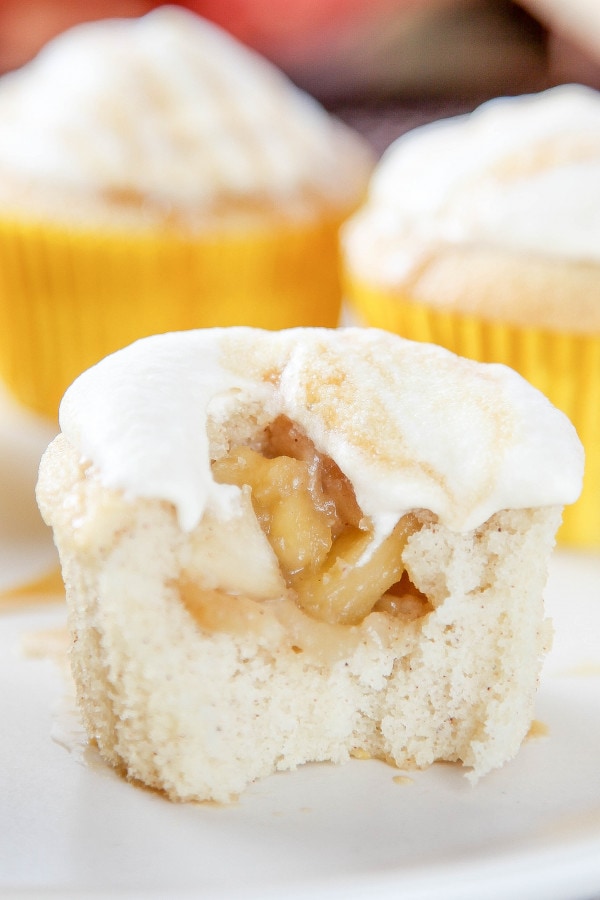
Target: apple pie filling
x=308 y=511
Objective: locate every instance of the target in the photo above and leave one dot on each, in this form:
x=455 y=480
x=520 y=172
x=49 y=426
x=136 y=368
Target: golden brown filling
x=307 y=509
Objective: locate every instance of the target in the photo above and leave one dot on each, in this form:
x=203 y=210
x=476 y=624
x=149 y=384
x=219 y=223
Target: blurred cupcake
x=155 y=175
x=482 y=233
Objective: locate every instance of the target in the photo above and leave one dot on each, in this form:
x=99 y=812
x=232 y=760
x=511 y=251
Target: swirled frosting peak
x=170 y=107
x=519 y=173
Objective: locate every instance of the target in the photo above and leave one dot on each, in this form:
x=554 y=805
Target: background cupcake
x=482 y=233
x=156 y=175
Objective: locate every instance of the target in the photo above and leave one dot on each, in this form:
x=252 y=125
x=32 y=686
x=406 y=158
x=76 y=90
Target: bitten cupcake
x=482 y=233
x=156 y=175
x=300 y=546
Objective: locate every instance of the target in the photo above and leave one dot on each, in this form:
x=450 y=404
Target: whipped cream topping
x=521 y=173
x=412 y=425
x=170 y=107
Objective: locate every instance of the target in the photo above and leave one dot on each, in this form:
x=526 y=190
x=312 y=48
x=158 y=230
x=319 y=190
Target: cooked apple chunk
x=308 y=511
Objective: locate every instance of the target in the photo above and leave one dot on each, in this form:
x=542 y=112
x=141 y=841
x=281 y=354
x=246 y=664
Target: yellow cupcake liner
x=69 y=297
x=565 y=367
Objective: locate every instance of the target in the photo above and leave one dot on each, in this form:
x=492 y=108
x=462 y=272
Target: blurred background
x=384 y=66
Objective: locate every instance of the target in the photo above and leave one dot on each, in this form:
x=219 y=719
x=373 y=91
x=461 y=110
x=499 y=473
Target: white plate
x=70 y=827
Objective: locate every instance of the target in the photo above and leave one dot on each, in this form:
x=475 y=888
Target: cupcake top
x=168 y=112
x=521 y=174
x=411 y=425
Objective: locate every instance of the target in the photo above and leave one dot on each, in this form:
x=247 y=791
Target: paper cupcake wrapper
x=565 y=367
x=68 y=297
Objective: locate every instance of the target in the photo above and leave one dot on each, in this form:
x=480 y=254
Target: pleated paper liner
x=68 y=297
x=565 y=367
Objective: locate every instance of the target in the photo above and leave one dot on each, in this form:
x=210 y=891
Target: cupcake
x=156 y=175
x=304 y=545
x=482 y=233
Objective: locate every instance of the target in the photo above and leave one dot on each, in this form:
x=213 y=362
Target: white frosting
x=410 y=424
x=173 y=108
x=521 y=173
